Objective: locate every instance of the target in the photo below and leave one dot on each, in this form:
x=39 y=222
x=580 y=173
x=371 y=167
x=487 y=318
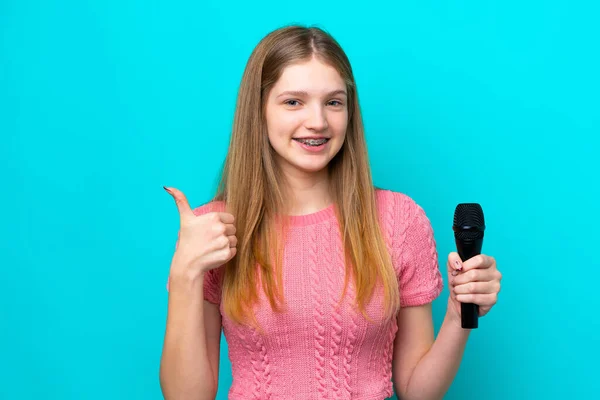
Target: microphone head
x=469 y=223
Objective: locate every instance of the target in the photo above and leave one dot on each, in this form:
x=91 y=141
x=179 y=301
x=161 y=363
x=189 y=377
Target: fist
x=477 y=280
x=205 y=242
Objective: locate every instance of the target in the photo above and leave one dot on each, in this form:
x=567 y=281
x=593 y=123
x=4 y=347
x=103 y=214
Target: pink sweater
x=315 y=351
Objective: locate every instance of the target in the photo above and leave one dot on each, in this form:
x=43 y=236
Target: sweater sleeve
x=419 y=276
x=212 y=278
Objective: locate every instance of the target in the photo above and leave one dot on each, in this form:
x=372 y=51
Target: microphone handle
x=469 y=312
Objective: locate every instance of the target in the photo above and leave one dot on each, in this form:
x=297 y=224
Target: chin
x=311 y=168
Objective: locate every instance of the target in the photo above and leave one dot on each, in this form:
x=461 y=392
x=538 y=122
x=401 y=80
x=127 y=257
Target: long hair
x=251 y=185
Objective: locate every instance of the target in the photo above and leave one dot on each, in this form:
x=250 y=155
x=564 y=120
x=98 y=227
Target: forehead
x=312 y=75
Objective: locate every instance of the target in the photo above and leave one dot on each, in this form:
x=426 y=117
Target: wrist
x=182 y=272
x=452 y=315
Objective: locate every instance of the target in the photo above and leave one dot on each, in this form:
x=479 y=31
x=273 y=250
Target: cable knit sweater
x=315 y=350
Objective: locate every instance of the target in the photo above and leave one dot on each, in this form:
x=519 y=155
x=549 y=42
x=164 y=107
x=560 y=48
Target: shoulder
x=396 y=205
x=399 y=214
x=212 y=206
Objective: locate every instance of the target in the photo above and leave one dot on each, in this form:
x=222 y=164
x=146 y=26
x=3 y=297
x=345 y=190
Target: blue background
x=103 y=102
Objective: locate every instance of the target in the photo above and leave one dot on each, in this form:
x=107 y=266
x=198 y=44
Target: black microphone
x=468 y=228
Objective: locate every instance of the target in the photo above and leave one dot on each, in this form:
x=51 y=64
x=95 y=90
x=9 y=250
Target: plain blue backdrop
x=103 y=102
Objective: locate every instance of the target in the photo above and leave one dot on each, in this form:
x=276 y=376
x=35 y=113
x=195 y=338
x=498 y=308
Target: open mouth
x=312 y=142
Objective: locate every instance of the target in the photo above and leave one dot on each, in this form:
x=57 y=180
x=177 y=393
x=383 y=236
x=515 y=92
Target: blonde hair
x=251 y=185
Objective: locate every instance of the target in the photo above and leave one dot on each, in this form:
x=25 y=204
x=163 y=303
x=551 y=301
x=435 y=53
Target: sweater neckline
x=313 y=218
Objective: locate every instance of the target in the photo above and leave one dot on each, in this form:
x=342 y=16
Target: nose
x=316 y=119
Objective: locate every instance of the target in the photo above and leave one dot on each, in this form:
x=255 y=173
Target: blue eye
x=335 y=101
x=289 y=102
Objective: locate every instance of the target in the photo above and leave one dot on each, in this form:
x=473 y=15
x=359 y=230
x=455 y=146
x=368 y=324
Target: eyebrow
x=302 y=93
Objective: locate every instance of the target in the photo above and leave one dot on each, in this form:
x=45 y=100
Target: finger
x=476 y=288
x=480 y=261
x=226 y=254
x=226 y=218
x=232 y=241
x=232 y=253
x=474 y=275
x=229 y=229
x=454 y=263
x=479 y=299
x=185 y=211
x=221 y=257
x=222 y=242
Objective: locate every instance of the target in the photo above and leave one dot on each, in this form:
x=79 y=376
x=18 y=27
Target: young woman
x=322 y=283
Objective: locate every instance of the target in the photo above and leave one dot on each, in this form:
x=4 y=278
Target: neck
x=307 y=192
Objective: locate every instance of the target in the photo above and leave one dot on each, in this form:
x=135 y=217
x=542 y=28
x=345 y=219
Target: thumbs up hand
x=205 y=242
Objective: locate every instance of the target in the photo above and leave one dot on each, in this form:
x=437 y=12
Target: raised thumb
x=185 y=211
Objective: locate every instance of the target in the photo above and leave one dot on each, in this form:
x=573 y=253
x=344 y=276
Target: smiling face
x=307 y=117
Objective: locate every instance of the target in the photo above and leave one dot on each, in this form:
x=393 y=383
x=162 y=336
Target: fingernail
x=458 y=265
x=168 y=191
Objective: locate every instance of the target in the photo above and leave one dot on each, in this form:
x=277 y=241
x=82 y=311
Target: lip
x=313 y=149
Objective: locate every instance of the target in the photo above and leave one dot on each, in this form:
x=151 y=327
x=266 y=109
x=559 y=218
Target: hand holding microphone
x=205 y=242
x=474 y=278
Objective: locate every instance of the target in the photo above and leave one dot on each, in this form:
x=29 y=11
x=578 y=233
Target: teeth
x=313 y=142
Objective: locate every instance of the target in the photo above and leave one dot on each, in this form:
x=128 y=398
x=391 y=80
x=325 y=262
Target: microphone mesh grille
x=469 y=222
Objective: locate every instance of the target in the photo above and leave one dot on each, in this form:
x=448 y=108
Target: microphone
x=468 y=227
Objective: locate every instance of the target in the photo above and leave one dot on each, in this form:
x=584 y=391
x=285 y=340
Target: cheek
x=290 y=121
x=274 y=128
x=339 y=121
x=339 y=128
x=283 y=125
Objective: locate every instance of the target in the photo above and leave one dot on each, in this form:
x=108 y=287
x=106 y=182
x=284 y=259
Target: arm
x=423 y=368
x=189 y=367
